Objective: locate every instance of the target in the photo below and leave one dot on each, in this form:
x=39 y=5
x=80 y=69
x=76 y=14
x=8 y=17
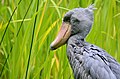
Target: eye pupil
x=77 y=20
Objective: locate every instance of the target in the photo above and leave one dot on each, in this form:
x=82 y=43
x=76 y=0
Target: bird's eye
x=76 y=20
x=66 y=19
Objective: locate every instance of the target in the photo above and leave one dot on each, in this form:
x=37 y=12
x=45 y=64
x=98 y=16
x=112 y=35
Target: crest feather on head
x=91 y=7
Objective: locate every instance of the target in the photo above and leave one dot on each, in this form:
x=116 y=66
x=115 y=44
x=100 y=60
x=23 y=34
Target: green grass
x=46 y=64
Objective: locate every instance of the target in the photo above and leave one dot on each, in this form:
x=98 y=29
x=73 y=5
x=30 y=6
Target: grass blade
x=24 y=17
x=9 y=23
x=5 y=33
x=32 y=41
x=16 y=36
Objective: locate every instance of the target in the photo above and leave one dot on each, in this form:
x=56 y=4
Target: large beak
x=62 y=36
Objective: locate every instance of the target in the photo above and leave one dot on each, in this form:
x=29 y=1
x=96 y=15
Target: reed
x=46 y=64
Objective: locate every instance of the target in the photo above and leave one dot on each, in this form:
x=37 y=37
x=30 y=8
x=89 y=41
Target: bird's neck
x=74 y=42
x=74 y=38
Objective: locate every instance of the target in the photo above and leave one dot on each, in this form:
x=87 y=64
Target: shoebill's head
x=76 y=21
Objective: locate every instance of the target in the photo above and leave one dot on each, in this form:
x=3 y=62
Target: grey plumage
x=87 y=60
x=91 y=62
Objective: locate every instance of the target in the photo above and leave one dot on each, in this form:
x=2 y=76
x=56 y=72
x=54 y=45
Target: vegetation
x=46 y=64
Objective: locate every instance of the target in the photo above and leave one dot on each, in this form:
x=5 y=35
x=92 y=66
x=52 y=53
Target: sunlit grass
x=46 y=64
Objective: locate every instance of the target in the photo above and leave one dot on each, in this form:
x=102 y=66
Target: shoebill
x=87 y=61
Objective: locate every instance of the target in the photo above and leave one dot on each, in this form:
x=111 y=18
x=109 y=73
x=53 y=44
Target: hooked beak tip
x=52 y=48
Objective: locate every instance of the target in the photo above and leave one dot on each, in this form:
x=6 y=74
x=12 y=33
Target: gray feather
x=87 y=61
x=91 y=62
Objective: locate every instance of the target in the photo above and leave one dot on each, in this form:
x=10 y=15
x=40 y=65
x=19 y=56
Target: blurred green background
x=46 y=64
